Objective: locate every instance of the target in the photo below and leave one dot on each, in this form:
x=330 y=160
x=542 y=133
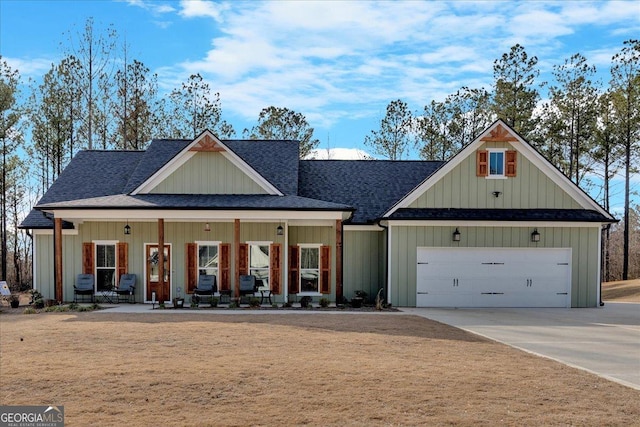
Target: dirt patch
x=624 y=291
x=290 y=369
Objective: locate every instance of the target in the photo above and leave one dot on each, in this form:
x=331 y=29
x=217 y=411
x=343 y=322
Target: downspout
x=605 y=228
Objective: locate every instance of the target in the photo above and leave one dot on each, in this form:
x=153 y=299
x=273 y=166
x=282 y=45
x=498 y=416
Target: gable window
x=208 y=258
x=309 y=268
x=496 y=163
x=259 y=263
x=105 y=266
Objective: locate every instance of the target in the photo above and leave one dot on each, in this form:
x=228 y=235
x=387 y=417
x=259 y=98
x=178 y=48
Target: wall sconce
x=127 y=229
x=207 y=227
x=496 y=194
x=535 y=236
x=280 y=230
x=456 y=235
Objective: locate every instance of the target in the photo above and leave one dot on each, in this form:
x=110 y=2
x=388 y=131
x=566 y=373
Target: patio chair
x=126 y=289
x=207 y=285
x=83 y=286
x=247 y=285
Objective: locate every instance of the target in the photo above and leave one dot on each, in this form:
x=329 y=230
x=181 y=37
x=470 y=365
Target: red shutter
x=123 y=259
x=191 y=267
x=482 y=163
x=511 y=163
x=224 y=267
x=243 y=259
x=294 y=262
x=87 y=258
x=325 y=269
x=274 y=268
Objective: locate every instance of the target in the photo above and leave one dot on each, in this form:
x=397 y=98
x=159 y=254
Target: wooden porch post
x=57 y=255
x=161 y=297
x=338 y=261
x=236 y=245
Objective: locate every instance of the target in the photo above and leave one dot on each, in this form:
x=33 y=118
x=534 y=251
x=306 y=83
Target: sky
x=339 y=63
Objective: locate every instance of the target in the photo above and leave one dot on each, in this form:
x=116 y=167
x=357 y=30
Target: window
x=259 y=263
x=208 y=258
x=496 y=163
x=105 y=266
x=309 y=268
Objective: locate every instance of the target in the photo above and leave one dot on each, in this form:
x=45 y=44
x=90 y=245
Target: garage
x=493 y=277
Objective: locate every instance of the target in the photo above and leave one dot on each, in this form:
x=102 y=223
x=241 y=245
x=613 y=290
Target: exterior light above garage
x=456 y=235
x=535 y=236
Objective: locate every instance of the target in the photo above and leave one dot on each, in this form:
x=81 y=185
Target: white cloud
x=340 y=154
x=202 y=9
x=328 y=60
x=35 y=67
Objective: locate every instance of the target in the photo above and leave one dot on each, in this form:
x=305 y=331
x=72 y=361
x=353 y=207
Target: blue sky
x=338 y=63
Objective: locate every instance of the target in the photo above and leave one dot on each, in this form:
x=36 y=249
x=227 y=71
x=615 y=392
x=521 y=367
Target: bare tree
x=625 y=86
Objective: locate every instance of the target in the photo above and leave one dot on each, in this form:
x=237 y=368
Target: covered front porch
x=291 y=253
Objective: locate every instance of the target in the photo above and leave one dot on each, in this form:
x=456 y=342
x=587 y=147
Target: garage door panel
x=493 y=277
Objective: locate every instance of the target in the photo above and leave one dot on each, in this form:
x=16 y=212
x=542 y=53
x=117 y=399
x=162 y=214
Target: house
x=497 y=225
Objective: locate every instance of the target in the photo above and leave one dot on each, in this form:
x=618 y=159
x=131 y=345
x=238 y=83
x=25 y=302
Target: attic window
x=496 y=163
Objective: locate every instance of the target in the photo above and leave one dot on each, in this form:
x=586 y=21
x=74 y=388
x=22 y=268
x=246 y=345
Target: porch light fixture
x=456 y=235
x=535 y=236
x=207 y=227
x=280 y=230
x=496 y=194
x=127 y=229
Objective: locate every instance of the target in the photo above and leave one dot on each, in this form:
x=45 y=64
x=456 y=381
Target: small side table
x=225 y=296
x=266 y=293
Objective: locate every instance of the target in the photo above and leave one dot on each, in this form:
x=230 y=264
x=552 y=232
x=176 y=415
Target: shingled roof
x=371 y=186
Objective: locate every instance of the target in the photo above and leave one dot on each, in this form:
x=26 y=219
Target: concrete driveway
x=604 y=341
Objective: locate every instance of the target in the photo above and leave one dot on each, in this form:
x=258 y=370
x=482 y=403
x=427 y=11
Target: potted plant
x=14 y=301
x=356 y=302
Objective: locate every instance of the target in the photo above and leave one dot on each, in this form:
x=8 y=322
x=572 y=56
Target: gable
x=176 y=177
x=529 y=182
x=208 y=172
x=530 y=188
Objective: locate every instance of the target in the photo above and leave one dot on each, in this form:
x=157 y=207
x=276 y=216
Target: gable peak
x=499 y=134
x=207 y=142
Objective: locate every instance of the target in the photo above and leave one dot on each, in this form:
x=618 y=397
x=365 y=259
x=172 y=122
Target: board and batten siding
x=364 y=262
x=323 y=235
x=176 y=233
x=208 y=173
x=461 y=188
x=583 y=242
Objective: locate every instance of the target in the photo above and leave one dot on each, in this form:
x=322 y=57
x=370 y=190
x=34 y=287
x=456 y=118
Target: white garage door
x=493 y=277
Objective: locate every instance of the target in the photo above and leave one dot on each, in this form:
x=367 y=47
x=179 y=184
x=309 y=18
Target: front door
x=153 y=277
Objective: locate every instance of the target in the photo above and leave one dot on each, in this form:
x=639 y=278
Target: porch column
x=57 y=258
x=161 y=297
x=236 y=245
x=338 y=260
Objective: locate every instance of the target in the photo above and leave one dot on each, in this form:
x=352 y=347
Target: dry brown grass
x=293 y=369
x=627 y=291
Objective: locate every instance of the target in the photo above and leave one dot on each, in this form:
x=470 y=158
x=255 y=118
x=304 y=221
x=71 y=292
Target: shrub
x=254 y=302
x=324 y=302
x=29 y=310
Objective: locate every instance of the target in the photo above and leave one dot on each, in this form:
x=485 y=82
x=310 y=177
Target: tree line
x=98 y=97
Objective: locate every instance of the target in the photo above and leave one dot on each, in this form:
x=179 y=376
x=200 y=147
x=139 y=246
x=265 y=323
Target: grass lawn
x=290 y=369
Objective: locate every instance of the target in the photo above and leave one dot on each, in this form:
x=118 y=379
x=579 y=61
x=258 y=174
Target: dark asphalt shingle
x=371 y=186
x=562 y=215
